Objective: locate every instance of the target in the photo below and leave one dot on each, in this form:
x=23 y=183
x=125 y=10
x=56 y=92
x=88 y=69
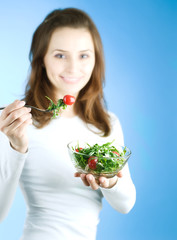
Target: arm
x=14 y=120
x=11 y=165
x=122 y=195
x=119 y=191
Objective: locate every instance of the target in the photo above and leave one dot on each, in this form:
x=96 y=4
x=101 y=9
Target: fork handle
x=41 y=110
x=28 y=106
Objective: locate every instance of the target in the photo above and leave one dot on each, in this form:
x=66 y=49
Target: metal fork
x=28 y=106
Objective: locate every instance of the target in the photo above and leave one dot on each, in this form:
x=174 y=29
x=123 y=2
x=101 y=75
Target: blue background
x=139 y=38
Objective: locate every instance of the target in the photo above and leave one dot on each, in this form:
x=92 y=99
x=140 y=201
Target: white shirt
x=59 y=206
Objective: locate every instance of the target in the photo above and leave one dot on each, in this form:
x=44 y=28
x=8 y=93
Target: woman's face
x=69 y=60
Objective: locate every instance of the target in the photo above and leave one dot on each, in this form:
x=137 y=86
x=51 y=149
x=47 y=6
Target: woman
x=66 y=58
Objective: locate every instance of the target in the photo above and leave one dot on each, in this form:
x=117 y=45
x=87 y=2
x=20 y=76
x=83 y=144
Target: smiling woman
x=79 y=36
x=66 y=59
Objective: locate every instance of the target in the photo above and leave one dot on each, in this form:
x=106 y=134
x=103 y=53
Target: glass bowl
x=96 y=164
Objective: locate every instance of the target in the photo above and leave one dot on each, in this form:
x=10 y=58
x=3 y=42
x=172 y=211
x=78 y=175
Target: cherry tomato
x=68 y=99
x=92 y=161
x=116 y=153
x=78 y=149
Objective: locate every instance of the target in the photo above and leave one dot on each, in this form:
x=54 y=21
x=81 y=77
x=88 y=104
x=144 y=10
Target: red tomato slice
x=78 y=149
x=116 y=153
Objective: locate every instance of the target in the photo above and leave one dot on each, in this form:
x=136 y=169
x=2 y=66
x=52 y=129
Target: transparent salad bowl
x=100 y=164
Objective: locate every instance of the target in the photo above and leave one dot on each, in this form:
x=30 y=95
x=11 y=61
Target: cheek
x=52 y=70
x=88 y=68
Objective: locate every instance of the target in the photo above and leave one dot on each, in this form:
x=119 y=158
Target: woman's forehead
x=70 y=39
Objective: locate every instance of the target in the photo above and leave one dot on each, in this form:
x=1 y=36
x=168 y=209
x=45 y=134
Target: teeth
x=70 y=79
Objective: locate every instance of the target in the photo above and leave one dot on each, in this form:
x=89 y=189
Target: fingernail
x=82 y=176
x=90 y=178
x=102 y=181
x=21 y=103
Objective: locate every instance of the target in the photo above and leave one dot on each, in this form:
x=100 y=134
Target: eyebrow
x=61 y=50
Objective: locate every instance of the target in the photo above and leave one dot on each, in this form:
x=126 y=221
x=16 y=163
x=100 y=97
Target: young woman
x=66 y=58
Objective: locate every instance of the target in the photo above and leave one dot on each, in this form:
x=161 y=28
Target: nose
x=72 y=66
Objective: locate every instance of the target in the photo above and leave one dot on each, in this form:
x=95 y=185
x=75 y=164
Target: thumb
x=119 y=174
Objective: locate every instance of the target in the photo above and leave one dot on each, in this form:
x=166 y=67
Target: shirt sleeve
x=11 y=165
x=122 y=196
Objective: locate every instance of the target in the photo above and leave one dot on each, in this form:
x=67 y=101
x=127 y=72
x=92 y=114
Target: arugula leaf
x=56 y=107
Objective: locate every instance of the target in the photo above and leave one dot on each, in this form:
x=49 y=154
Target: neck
x=68 y=112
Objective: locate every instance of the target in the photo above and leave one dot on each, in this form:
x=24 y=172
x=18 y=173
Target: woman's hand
x=13 y=123
x=89 y=180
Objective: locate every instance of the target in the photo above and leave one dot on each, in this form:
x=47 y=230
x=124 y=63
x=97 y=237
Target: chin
x=73 y=90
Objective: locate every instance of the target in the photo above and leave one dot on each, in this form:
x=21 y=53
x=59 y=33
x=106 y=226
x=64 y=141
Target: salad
x=97 y=158
x=61 y=104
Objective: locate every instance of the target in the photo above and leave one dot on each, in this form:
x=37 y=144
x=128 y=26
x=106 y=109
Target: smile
x=71 y=79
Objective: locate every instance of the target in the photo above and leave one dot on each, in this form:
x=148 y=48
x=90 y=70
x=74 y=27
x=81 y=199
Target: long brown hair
x=90 y=105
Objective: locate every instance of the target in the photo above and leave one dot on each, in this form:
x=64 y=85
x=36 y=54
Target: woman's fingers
x=22 y=126
x=19 y=115
x=83 y=177
x=14 y=120
x=120 y=174
x=91 y=180
x=104 y=182
x=77 y=174
x=88 y=180
x=13 y=126
x=14 y=113
x=11 y=107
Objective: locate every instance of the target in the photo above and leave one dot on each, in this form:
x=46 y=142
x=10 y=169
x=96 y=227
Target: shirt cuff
x=12 y=163
x=15 y=154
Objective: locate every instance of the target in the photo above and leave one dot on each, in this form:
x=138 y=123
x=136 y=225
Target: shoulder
x=112 y=115
x=116 y=128
x=114 y=120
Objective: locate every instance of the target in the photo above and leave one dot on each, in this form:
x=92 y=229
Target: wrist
x=19 y=149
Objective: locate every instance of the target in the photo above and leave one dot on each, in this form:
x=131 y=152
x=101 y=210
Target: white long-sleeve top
x=59 y=206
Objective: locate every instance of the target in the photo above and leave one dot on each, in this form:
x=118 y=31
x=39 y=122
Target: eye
x=59 y=55
x=84 y=56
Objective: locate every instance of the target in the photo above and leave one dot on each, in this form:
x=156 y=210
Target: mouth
x=71 y=80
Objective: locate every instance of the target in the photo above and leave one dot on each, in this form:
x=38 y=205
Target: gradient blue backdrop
x=139 y=38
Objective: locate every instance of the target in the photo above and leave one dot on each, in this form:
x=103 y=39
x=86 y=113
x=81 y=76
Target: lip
x=71 y=80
